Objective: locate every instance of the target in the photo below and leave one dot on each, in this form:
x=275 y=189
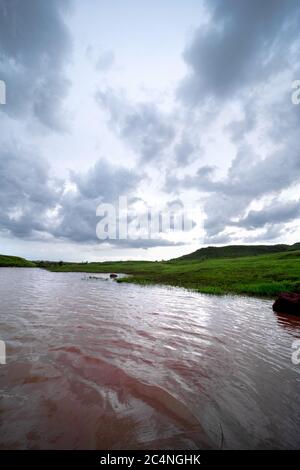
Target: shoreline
x=264 y=276
x=257 y=276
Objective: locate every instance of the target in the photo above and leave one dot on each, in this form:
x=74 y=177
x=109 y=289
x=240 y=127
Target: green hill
x=15 y=262
x=237 y=251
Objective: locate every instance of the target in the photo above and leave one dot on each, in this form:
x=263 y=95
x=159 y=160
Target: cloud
x=37 y=206
x=102 y=61
x=146 y=243
x=242 y=44
x=33 y=202
x=101 y=183
x=105 y=181
x=184 y=151
x=240 y=66
x=143 y=126
x=105 y=61
x=220 y=239
x=277 y=212
x=249 y=178
x=269 y=234
x=247 y=53
x=28 y=194
x=35 y=46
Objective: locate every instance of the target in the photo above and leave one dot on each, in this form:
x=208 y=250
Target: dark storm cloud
x=101 y=183
x=239 y=55
x=275 y=213
x=77 y=219
x=34 y=48
x=33 y=202
x=242 y=44
x=220 y=239
x=147 y=130
x=271 y=232
x=106 y=181
x=36 y=206
x=245 y=45
x=250 y=175
x=248 y=178
x=27 y=193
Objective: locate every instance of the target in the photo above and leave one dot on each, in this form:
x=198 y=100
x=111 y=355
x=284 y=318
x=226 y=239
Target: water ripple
x=101 y=365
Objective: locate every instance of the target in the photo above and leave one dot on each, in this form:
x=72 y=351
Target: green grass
x=260 y=275
x=15 y=262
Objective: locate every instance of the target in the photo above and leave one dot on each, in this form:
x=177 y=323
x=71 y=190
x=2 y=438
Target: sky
x=179 y=107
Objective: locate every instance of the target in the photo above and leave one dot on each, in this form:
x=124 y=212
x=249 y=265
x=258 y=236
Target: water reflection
x=289 y=322
x=101 y=365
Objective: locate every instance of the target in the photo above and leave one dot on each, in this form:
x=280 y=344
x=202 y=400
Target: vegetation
x=259 y=275
x=238 y=251
x=15 y=262
x=251 y=270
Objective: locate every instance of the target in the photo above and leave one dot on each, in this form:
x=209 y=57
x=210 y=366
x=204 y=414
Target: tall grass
x=260 y=275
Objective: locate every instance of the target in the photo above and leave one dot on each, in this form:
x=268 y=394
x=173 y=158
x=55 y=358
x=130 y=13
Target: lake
x=93 y=364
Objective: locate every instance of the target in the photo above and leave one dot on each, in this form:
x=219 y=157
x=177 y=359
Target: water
x=92 y=364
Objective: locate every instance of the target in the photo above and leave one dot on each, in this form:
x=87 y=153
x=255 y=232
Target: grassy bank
x=15 y=262
x=261 y=275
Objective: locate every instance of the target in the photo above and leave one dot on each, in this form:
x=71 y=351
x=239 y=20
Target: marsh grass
x=260 y=275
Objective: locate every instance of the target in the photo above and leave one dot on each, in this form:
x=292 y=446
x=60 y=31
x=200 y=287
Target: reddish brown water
x=101 y=365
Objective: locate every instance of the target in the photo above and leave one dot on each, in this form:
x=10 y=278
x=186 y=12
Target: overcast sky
x=165 y=102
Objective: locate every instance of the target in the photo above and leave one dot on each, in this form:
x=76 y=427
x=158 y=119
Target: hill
x=236 y=251
x=15 y=262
